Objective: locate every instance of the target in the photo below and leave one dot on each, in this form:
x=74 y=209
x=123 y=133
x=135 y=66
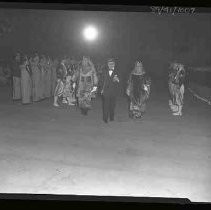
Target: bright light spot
x=90 y=33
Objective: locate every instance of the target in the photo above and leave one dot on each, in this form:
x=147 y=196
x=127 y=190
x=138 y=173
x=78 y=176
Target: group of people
x=80 y=87
x=76 y=83
x=33 y=78
x=77 y=86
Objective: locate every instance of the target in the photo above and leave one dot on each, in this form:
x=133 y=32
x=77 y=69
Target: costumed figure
x=87 y=80
x=64 y=66
x=16 y=77
x=42 y=82
x=100 y=77
x=138 y=91
x=48 y=77
x=69 y=89
x=176 y=88
x=34 y=63
x=54 y=66
x=61 y=76
x=26 y=81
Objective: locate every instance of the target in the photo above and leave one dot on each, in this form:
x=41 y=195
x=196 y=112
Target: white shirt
x=110 y=72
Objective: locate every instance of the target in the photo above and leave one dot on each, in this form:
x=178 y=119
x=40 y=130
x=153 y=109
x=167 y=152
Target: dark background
x=127 y=36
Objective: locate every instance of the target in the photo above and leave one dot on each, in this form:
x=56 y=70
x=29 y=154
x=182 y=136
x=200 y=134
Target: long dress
x=138 y=91
x=35 y=81
x=16 y=81
x=48 y=80
x=87 y=80
x=26 y=84
x=42 y=81
x=53 y=77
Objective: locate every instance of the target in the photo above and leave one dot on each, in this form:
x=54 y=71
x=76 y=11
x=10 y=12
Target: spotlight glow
x=90 y=33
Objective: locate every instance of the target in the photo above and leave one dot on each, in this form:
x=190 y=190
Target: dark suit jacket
x=109 y=86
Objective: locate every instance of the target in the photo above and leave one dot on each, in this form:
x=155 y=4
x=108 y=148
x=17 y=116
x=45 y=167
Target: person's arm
x=95 y=78
x=128 y=89
x=103 y=81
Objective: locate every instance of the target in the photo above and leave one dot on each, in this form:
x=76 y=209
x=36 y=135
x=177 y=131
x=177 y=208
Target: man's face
x=111 y=65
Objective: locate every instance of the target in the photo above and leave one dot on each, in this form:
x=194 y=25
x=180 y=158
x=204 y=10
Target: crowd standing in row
x=34 y=78
x=76 y=83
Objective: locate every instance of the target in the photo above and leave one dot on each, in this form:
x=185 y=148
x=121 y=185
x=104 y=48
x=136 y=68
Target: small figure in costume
x=176 y=88
x=69 y=89
x=59 y=90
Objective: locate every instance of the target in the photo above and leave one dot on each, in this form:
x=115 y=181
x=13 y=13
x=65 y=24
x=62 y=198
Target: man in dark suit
x=109 y=90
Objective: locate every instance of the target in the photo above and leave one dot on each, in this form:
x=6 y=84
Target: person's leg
x=56 y=101
x=105 y=103
x=16 y=88
x=112 y=105
x=129 y=106
x=178 y=102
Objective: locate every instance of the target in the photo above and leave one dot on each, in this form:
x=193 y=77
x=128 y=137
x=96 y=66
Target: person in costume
x=34 y=63
x=61 y=77
x=55 y=63
x=86 y=79
x=176 y=88
x=64 y=67
x=138 y=91
x=48 y=77
x=16 y=77
x=43 y=76
x=69 y=89
x=109 y=90
x=26 y=81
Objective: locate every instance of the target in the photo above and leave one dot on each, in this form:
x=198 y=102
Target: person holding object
x=109 y=91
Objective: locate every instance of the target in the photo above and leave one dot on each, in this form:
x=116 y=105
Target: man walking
x=109 y=90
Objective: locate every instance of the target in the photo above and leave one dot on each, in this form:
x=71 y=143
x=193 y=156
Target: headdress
x=139 y=69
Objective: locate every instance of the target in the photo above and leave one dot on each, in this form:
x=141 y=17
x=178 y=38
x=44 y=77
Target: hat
x=110 y=60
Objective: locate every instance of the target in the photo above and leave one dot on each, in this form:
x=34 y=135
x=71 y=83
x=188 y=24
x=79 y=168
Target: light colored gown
x=26 y=84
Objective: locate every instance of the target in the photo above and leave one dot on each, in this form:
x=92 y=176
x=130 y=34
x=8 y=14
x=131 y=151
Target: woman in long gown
x=42 y=82
x=26 y=81
x=16 y=77
x=48 y=77
x=53 y=75
x=138 y=91
x=34 y=62
x=86 y=85
x=176 y=88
